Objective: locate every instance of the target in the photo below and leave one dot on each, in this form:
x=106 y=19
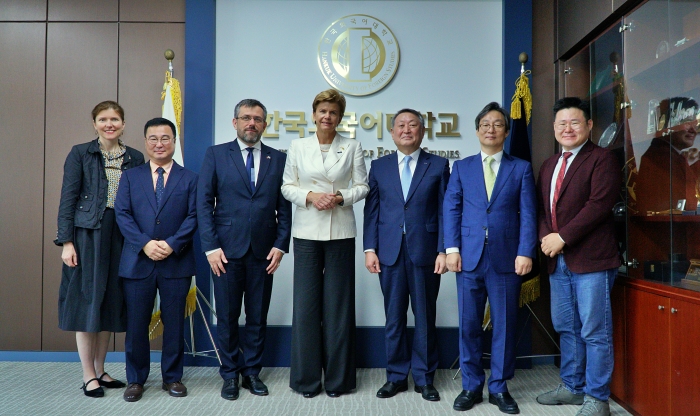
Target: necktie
x=557 y=188
x=160 y=186
x=406 y=177
x=250 y=167
x=489 y=176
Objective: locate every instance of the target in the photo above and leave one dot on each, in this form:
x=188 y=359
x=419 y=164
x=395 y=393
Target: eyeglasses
x=574 y=124
x=257 y=120
x=153 y=140
x=496 y=126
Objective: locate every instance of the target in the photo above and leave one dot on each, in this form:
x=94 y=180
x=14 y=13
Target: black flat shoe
x=98 y=392
x=310 y=394
x=334 y=394
x=114 y=384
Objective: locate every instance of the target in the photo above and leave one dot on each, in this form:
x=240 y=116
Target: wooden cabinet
x=657 y=340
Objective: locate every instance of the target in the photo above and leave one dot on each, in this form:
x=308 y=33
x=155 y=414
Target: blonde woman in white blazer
x=324 y=176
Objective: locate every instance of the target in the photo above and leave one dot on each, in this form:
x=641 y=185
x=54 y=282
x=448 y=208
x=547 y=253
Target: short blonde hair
x=330 y=96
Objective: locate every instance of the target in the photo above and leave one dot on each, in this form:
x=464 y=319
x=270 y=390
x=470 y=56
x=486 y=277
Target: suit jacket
x=588 y=193
x=386 y=212
x=510 y=216
x=140 y=221
x=343 y=170
x=233 y=218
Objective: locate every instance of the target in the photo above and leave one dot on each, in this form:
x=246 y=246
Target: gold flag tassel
x=176 y=94
x=522 y=91
x=155 y=328
x=191 y=302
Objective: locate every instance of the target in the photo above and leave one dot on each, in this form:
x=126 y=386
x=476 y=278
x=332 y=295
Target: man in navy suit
x=157 y=214
x=245 y=227
x=490 y=238
x=403 y=243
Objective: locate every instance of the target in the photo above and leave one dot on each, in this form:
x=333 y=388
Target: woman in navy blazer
x=90 y=300
x=324 y=175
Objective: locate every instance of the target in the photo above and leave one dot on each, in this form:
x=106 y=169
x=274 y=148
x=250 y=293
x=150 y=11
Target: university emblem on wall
x=358 y=55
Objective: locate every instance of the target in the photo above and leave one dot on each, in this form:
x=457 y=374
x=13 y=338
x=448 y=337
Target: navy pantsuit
x=141 y=220
x=509 y=219
x=407 y=259
x=246 y=224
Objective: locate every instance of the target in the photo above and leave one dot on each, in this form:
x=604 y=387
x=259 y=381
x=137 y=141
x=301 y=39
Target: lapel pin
x=268 y=157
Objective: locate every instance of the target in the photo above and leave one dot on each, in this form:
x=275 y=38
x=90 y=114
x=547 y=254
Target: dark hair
x=572 y=102
x=107 y=105
x=408 y=110
x=250 y=103
x=159 y=121
x=330 y=96
x=493 y=106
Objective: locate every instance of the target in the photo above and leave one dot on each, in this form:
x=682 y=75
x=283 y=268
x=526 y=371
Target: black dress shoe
x=133 y=393
x=467 y=399
x=333 y=394
x=391 y=389
x=505 y=403
x=255 y=385
x=229 y=391
x=428 y=392
x=114 y=384
x=310 y=394
x=98 y=392
x=175 y=389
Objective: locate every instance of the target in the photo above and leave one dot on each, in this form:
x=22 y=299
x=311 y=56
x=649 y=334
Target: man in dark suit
x=245 y=227
x=490 y=215
x=577 y=190
x=156 y=212
x=403 y=243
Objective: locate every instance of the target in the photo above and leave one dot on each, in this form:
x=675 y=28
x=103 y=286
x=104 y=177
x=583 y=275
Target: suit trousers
x=399 y=282
x=245 y=282
x=140 y=295
x=323 y=321
x=503 y=291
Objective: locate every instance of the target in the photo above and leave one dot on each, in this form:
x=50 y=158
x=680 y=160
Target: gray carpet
x=53 y=389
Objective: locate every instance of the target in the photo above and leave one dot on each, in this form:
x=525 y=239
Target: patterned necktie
x=250 y=167
x=160 y=186
x=557 y=189
x=406 y=177
x=489 y=176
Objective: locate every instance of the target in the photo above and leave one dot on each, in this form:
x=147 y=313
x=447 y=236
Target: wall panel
x=84 y=10
x=21 y=185
x=22 y=10
x=152 y=11
x=81 y=65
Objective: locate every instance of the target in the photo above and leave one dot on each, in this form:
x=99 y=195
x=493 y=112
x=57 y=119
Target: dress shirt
x=257 y=149
x=495 y=165
x=569 y=161
x=154 y=173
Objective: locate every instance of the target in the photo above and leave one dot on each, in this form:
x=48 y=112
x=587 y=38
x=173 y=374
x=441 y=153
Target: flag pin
x=268 y=157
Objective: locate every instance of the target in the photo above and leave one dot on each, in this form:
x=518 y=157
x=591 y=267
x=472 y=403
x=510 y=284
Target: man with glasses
x=403 y=244
x=156 y=213
x=245 y=228
x=577 y=189
x=490 y=216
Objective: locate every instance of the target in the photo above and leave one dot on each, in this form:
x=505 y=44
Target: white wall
x=450 y=63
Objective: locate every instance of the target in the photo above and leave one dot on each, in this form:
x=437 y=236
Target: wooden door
x=648 y=358
x=685 y=358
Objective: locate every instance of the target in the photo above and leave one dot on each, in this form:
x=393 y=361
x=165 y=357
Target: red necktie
x=557 y=188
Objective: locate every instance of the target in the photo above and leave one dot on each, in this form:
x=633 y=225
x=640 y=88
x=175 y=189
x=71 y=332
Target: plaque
x=693 y=274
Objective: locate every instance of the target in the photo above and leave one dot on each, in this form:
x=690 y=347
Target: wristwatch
x=340 y=195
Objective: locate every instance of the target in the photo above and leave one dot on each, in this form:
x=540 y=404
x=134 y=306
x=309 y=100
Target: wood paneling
x=577 y=19
x=152 y=11
x=685 y=360
x=142 y=67
x=81 y=65
x=619 y=309
x=84 y=10
x=21 y=193
x=22 y=10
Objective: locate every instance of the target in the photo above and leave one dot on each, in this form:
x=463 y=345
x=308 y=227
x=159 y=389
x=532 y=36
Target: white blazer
x=343 y=170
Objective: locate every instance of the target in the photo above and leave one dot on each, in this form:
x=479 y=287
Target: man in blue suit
x=245 y=228
x=490 y=215
x=156 y=212
x=403 y=243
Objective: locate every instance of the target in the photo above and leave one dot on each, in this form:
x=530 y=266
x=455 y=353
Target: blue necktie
x=250 y=167
x=160 y=186
x=406 y=177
